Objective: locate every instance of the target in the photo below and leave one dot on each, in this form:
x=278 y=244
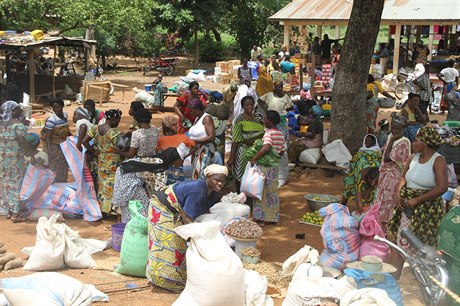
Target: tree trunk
x=90 y=36
x=217 y=35
x=197 y=49
x=348 y=121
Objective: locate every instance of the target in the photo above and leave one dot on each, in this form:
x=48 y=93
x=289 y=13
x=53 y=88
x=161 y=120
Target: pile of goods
x=8 y=261
x=245 y=229
x=312 y=218
x=250 y=251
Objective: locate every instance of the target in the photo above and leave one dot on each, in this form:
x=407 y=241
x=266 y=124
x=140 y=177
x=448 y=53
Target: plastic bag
x=310 y=156
x=305 y=254
x=215 y=274
x=340 y=234
x=124 y=142
x=231 y=206
x=366 y=297
x=370 y=227
x=252 y=183
x=134 y=247
x=255 y=288
x=337 y=152
x=365 y=279
x=283 y=170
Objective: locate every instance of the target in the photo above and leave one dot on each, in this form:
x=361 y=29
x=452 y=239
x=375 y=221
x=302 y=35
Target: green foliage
x=213 y=51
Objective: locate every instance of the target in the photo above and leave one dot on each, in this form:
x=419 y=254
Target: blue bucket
x=117 y=235
x=148 y=87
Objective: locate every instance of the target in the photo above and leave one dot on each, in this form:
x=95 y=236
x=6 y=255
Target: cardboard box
x=225 y=78
x=223 y=66
x=234 y=62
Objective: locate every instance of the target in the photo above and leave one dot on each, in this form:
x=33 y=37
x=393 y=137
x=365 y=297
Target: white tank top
x=198 y=131
x=421 y=176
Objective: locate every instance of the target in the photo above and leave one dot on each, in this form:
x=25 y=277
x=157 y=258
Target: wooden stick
x=447 y=290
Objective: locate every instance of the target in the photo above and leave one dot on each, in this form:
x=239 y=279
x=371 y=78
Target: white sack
x=310 y=156
x=215 y=274
x=283 y=170
x=305 y=254
x=367 y=297
x=46 y=288
x=255 y=288
x=336 y=152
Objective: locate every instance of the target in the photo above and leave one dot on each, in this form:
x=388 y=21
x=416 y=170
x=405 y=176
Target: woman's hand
x=398 y=200
x=95 y=152
x=253 y=161
x=230 y=162
x=412 y=203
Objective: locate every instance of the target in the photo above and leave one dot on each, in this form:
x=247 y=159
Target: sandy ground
x=277 y=244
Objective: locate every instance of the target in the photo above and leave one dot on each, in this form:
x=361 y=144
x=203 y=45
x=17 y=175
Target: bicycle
x=427 y=266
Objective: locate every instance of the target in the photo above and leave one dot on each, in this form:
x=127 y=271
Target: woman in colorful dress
x=372 y=102
x=54 y=133
x=361 y=181
x=132 y=186
x=13 y=147
x=267 y=209
x=248 y=127
x=81 y=119
x=105 y=148
x=396 y=152
x=182 y=106
x=179 y=204
x=419 y=204
x=203 y=133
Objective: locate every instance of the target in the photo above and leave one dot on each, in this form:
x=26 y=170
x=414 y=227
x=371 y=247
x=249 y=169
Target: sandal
x=108 y=228
x=15 y=218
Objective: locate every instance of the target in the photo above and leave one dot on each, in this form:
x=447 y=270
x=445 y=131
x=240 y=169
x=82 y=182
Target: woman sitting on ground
x=179 y=204
x=361 y=180
x=414 y=116
x=312 y=138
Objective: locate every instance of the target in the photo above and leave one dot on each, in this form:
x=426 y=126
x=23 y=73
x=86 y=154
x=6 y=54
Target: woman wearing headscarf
x=372 y=101
x=104 y=147
x=361 y=180
x=248 y=127
x=81 y=119
x=179 y=204
x=13 y=147
x=414 y=117
x=203 y=133
x=312 y=138
x=182 y=106
x=419 y=204
x=170 y=138
x=396 y=152
x=54 y=133
x=264 y=82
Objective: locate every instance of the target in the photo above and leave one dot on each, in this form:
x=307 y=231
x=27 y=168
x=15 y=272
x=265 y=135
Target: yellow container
x=303 y=129
x=326 y=107
x=37 y=34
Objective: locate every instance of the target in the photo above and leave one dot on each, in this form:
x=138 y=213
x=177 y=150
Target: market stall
x=34 y=84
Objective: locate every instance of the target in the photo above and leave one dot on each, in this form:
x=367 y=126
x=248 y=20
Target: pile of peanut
x=245 y=229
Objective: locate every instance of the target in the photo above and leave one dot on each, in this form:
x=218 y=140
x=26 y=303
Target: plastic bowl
x=250 y=259
x=323 y=201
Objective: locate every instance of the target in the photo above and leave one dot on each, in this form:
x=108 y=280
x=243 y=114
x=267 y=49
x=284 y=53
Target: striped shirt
x=54 y=121
x=275 y=138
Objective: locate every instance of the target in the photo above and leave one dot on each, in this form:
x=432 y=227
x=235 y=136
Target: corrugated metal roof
x=393 y=11
x=14 y=41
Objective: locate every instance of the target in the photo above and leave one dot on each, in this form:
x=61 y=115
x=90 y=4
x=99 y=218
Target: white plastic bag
x=310 y=156
x=144 y=97
x=283 y=170
x=231 y=206
x=367 y=296
x=215 y=274
x=255 y=288
x=336 y=152
x=305 y=254
x=46 y=288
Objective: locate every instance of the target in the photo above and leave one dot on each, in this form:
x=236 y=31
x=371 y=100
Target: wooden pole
x=197 y=50
x=396 y=49
x=430 y=41
x=286 y=37
x=54 y=74
x=337 y=31
x=31 y=60
x=319 y=31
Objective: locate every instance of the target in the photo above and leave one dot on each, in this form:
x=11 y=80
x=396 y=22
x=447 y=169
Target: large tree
x=349 y=93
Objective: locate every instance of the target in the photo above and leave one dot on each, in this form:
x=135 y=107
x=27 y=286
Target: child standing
x=267 y=209
x=40 y=158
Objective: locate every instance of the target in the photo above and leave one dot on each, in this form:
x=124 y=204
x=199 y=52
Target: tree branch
x=75 y=26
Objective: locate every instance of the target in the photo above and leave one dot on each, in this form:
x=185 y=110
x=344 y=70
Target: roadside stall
x=33 y=73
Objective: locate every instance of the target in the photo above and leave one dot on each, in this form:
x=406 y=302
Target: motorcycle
x=164 y=65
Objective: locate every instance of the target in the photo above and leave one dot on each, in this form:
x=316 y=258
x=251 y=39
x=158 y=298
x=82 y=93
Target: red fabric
x=185 y=109
x=392 y=29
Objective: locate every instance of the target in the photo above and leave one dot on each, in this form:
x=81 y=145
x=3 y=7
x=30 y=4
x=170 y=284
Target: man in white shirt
x=255 y=52
x=449 y=76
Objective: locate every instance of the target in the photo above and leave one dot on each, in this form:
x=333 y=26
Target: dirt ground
x=277 y=244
